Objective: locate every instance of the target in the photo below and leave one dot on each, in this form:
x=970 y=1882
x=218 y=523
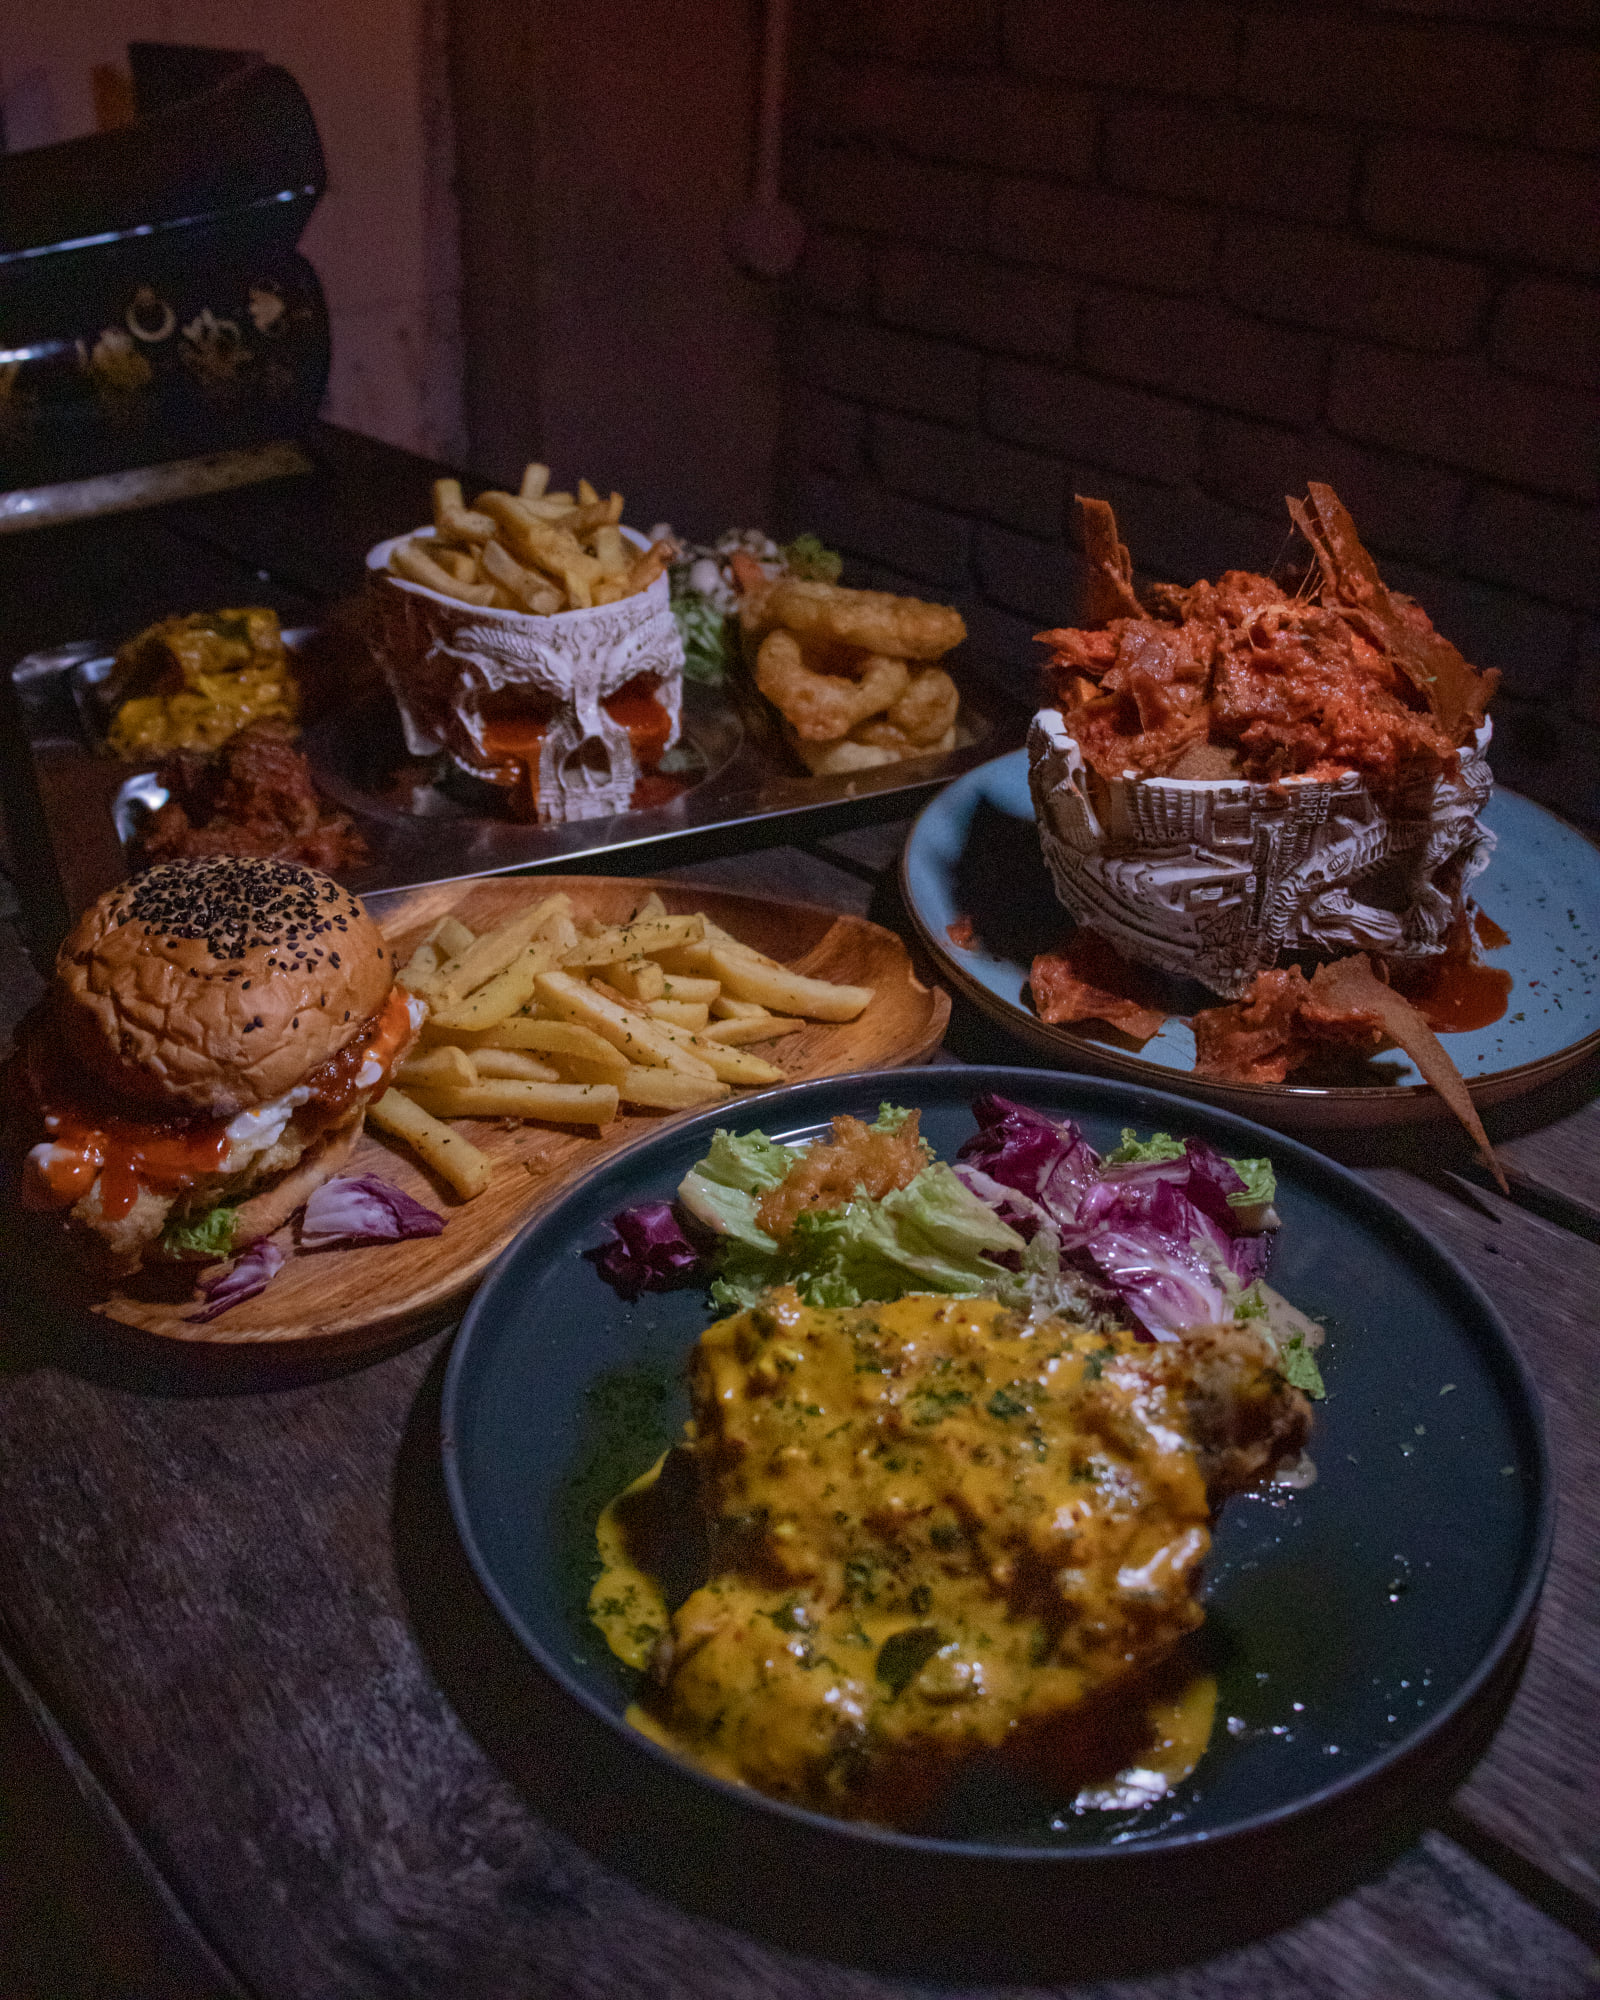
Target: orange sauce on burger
x=168 y=1155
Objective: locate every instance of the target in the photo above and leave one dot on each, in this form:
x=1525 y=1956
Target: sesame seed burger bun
x=211 y=985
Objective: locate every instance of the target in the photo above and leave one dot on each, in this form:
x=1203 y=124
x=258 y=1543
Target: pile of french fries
x=534 y=551
x=549 y=1019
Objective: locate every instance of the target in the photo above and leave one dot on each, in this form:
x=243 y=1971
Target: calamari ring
x=928 y=706
x=823 y=707
x=904 y=628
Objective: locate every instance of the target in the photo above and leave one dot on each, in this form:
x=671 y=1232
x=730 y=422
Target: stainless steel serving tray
x=71 y=809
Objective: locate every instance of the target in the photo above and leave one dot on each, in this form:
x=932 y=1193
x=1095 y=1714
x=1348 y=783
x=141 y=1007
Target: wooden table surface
x=261 y=1734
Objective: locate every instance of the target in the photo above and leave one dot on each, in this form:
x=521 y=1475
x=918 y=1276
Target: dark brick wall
x=1188 y=255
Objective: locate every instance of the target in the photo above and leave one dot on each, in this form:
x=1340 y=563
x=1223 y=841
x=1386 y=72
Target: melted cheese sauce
x=936 y=1534
x=170 y=1156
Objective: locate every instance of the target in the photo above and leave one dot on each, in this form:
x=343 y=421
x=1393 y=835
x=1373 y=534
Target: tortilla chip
x=1352 y=983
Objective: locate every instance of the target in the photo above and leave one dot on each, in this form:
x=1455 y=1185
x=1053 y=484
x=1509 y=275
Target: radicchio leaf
x=1160 y=1230
x=352 y=1209
x=649 y=1253
x=224 y=1290
x=1050 y=1163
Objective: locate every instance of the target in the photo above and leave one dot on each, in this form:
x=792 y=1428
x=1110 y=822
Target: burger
x=205 y=1056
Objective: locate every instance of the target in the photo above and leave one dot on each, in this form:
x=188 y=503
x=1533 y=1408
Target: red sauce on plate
x=1458 y=994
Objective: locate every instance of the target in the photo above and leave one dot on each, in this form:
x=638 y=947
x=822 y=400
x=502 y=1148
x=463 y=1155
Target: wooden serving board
x=370 y=1295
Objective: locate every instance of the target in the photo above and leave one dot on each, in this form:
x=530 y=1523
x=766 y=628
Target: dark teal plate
x=1365 y=1631
x=974 y=852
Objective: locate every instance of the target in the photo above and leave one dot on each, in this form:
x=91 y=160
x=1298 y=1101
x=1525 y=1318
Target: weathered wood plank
x=1536 y=1789
x=58 y=1832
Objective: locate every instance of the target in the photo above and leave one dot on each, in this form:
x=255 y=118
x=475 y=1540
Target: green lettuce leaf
x=724 y=1189
x=1260 y=1184
x=1300 y=1368
x=1135 y=1151
x=208 y=1235
x=930 y=1236
x=806 y=557
x=708 y=645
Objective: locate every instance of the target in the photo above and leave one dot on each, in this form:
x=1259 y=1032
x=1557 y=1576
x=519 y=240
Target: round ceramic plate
x=974 y=853
x=1364 y=1631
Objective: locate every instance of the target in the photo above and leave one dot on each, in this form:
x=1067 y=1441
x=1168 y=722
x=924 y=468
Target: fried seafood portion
x=822 y=706
x=875 y=620
x=934 y=1532
x=1343 y=675
x=850 y=671
x=854 y=1158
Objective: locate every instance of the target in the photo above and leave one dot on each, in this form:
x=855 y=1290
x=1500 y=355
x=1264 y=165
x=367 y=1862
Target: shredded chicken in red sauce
x=1342 y=676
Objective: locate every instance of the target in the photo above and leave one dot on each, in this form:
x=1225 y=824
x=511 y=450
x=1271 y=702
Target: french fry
x=535 y=478
x=788 y=992
x=726 y=1008
x=587 y=496
x=637 y=978
x=690 y=1014
x=681 y=987
x=669 y=1090
x=578 y=1069
x=530 y=591
x=514 y=1097
x=499 y=1063
x=451 y=936
x=641 y=1041
x=416 y=566
x=461 y=565
x=451 y=1157
x=652 y=906
x=763 y=1027
x=611 y=552
x=515 y=517
x=498 y=948
x=507 y=993
x=453 y=518
x=644 y=569
x=728 y=1064
x=644 y=937
x=592 y=514
x=445 y=1064
x=695 y=959
x=419 y=969
x=566 y=1041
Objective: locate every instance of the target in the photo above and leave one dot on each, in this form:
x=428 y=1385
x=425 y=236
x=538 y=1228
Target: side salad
x=707 y=583
x=1158 y=1234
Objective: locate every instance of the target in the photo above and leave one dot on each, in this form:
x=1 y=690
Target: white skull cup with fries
x=535 y=668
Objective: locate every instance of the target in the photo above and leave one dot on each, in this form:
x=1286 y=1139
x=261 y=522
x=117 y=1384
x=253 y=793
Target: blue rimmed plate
x=1366 y=1632
x=974 y=853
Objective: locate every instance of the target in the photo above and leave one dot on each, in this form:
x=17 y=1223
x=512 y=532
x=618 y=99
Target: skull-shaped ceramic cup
x=1215 y=879
x=565 y=711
